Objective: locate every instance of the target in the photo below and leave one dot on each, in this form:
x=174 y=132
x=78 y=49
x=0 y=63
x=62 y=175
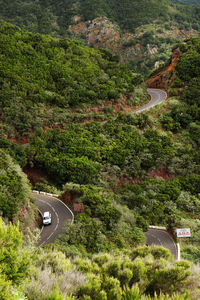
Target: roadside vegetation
x=46 y=273
x=130 y=171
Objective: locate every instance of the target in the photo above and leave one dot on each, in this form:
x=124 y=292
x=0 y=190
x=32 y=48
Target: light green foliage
x=101 y=226
x=118 y=273
x=14 y=261
x=4 y=290
x=55 y=295
x=53 y=276
x=136 y=274
x=134 y=293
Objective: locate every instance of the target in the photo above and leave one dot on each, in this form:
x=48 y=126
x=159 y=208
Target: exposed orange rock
x=77 y=18
x=79 y=28
x=160 y=80
x=101 y=32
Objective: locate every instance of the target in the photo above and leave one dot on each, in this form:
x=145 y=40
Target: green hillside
x=55 y=16
x=142 y=32
x=48 y=274
x=42 y=15
x=129 y=172
x=39 y=73
x=16 y=201
x=187 y=81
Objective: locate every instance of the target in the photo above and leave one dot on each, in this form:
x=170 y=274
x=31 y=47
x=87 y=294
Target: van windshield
x=46 y=218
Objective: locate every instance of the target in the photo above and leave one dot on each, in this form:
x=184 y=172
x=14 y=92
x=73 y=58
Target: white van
x=47 y=218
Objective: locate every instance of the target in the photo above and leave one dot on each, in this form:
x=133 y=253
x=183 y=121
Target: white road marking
x=53 y=196
x=155 y=237
x=58 y=221
x=66 y=207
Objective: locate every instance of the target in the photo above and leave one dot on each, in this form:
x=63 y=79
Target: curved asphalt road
x=60 y=215
x=157 y=97
x=157 y=236
x=161 y=238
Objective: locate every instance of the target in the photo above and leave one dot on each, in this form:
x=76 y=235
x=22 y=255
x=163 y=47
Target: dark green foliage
x=14 y=191
x=159 y=201
x=78 y=153
x=15 y=150
x=188 y=66
x=55 y=16
x=196 y=2
x=128 y=14
x=38 y=71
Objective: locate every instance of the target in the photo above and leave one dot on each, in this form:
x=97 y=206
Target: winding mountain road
x=60 y=215
x=157 y=97
x=161 y=238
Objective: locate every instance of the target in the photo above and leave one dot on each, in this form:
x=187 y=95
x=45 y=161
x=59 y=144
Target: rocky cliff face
x=102 y=33
x=144 y=50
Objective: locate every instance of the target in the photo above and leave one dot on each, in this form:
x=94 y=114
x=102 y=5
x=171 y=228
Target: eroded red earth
x=160 y=80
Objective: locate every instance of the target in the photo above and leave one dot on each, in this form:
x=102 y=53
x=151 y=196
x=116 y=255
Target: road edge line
x=53 y=196
x=67 y=208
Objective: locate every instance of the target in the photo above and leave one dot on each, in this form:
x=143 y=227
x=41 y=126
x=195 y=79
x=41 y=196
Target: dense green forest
x=39 y=73
x=114 y=167
x=152 y=25
x=55 y=16
x=196 y=2
x=16 y=201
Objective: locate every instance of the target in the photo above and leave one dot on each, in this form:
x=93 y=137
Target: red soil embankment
x=160 y=80
x=34 y=175
x=162 y=172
